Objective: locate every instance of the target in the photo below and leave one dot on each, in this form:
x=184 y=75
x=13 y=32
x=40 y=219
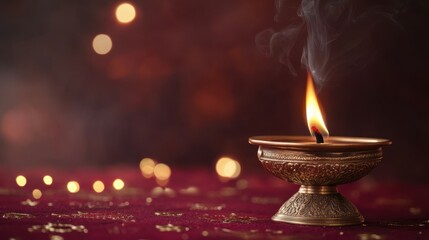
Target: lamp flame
x=314 y=115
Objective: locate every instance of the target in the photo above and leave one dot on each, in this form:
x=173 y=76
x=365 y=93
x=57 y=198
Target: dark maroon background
x=185 y=84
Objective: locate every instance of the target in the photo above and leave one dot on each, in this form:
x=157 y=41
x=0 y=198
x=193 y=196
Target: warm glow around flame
x=314 y=115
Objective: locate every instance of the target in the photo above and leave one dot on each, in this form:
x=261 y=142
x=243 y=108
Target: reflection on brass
x=318 y=168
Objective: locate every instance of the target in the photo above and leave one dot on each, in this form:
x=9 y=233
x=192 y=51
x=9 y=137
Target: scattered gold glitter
x=415 y=211
x=56 y=237
x=417 y=223
x=204 y=207
x=29 y=202
x=204 y=233
x=171 y=228
x=149 y=200
x=242 y=184
x=48 y=180
x=168 y=214
x=17 y=216
x=36 y=193
x=231 y=218
x=111 y=216
x=21 y=180
x=369 y=236
x=191 y=190
x=276 y=232
x=58 y=228
x=265 y=200
x=341 y=233
x=221 y=233
x=118 y=184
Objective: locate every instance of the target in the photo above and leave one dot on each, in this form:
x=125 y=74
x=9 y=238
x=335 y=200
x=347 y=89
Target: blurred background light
x=21 y=181
x=125 y=13
x=147 y=166
x=73 y=187
x=98 y=186
x=118 y=184
x=36 y=193
x=102 y=44
x=48 y=180
x=162 y=172
x=228 y=168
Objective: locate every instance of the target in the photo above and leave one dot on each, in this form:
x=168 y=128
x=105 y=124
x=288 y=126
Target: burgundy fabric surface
x=194 y=205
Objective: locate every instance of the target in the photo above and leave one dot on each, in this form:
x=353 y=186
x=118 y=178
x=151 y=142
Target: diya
x=318 y=166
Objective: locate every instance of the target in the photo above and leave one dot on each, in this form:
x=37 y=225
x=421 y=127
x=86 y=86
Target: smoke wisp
x=331 y=36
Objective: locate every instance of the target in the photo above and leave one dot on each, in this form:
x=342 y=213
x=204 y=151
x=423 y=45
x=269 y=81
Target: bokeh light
x=102 y=44
x=118 y=184
x=228 y=168
x=162 y=172
x=48 y=180
x=147 y=166
x=73 y=186
x=125 y=13
x=36 y=193
x=21 y=181
x=98 y=186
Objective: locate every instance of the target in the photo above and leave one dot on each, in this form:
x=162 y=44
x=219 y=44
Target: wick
x=317 y=134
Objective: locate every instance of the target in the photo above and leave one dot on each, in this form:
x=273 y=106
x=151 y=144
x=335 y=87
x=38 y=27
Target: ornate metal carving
x=319 y=168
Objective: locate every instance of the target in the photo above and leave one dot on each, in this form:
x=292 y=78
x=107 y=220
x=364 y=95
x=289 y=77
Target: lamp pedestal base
x=320 y=206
